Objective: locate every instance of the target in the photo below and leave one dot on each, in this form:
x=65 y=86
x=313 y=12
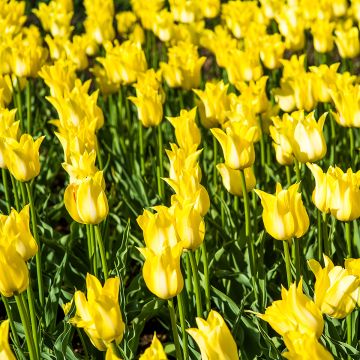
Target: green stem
x=115 y=349
x=11 y=321
x=288 y=175
x=161 y=165
x=90 y=249
x=141 y=148
x=327 y=248
x=333 y=140
x=199 y=311
x=348 y=239
x=215 y=161
x=319 y=235
x=6 y=190
x=33 y=320
x=23 y=193
x=349 y=332
x=83 y=344
x=36 y=237
x=25 y=321
x=16 y=195
x=250 y=242
x=204 y=258
x=297 y=171
x=287 y=262
x=183 y=326
x=19 y=104
x=28 y=106
x=100 y=244
x=174 y=329
x=297 y=259
x=352 y=146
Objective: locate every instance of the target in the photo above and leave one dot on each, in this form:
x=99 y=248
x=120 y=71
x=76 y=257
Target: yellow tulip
x=158 y=229
x=186 y=131
x=184 y=11
x=190 y=225
x=304 y=347
x=86 y=200
x=214 y=104
x=322 y=31
x=284 y=214
x=272 y=51
x=15 y=231
x=214 y=338
x=14 y=274
x=347 y=42
x=163 y=26
x=110 y=355
x=146 y=11
x=210 y=8
x=353 y=267
x=125 y=21
x=294 y=312
x=22 y=157
x=336 y=290
x=5 y=350
x=237 y=145
x=80 y=166
x=161 y=271
x=232 y=180
x=155 y=351
x=99 y=313
x=9 y=128
x=6 y=89
x=345 y=194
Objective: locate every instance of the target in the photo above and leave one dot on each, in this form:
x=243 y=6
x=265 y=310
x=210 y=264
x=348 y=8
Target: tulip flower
x=155 y=351
x=14 y=274
x=294 y=312
x=272 y=51
x=161 y=271
x=15 y=231
x=347 y=42
x=353 y=267
x=86 y=200
x=304 y=347
x=22 y=157
x=322 y=31
x=8 y=129
x=5 y=350
x=232 y=180
x=99 y=313
x=214 y=104
x=214 y=338
x=6 y=89
x=159 y=228
x=110 y=355
x=284 y=214
x=336 y=290
x=186 y=131
x=237 y=145
x=164 y=26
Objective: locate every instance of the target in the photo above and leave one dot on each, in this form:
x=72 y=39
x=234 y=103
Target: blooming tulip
x=294 y=312
x=284 y=214
x=336 y=290
x=347 y=42
x=5 y=350
x=155 y=351
x=99 y=314
x=8 y=129
x=214 y=338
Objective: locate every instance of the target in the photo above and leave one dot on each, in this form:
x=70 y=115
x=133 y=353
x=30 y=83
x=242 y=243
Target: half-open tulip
x=155 y=351
x=5 y=350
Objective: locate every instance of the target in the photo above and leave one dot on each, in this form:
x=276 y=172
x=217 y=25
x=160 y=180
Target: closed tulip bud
x=186 y=131
x=272 y=51
x=163 y=25
x=336 y=290
x=345 y=194
x=210 y=8
x=99 y=313
x=190 y=226
x=237 y=145
x=347 y=42
x=232 y=179
x=110 y=355
x=159 y=228
x=15 y=229
x=6 y=90
x=14 y=274
x=86 y=200
x=162 y=272
x=100 y=28
x=322 y=31
x=5 y=350
x=284 y=214
x=22 y=157
x=294 y=312
x=8 y=129
x=304 y=347
x=214 y=338
x=155 y=351
x=214 y=104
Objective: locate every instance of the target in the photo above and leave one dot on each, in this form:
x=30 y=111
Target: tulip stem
x=174 y=329
x=251 y=247
x=102 y=251
x=319 y=235
x=352 y=147
x=297 y=171
x=33 y=321
x=327 y=248
x=16 y=195
x=161 y=165
x=25 y=321
x=19 y=103
x=195 y=273
x=349 y=332
x=11 y=320
x=36 y=237
x=348 y=239
x=288 y=175
x=215 y=160
x=297 y=259
x=6 y=189
x=28 y=106
x=287 y=262
x=183 y=325
x=141 y=148
x=205 y=262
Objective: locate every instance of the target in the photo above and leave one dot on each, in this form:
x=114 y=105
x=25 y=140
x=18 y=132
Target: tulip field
x=179 y=179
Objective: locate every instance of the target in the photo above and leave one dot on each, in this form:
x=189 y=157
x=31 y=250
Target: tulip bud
x=86 y=200
x=5 y=350
x=347 y=42
x=110 y=355
x=232 y=179
x=322 y=31
x=284 y=214
x=14 y=274
x=8 y=129
x=22 y=157
x=155 y=351
x=272 y=51
x=99 y=314
x=162 y=272
x=353 y=267
x=294 y=312
x=214 y=338
x=336 y=290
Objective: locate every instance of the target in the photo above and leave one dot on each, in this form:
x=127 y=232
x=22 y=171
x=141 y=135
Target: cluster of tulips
x=275 y=84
